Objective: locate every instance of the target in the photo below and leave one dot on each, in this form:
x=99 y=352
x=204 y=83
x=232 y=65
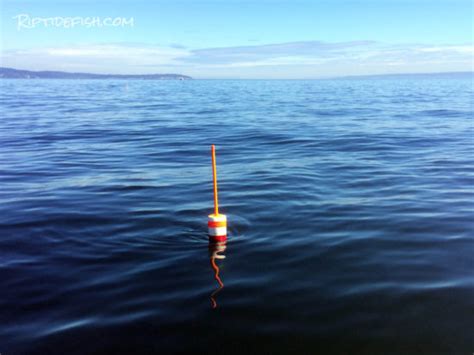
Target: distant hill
x=10 y=73
x=448 y=75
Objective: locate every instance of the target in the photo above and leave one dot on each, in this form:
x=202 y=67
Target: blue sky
x=243 y=38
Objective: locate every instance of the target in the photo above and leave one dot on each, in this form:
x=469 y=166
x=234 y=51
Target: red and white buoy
x=217 y=223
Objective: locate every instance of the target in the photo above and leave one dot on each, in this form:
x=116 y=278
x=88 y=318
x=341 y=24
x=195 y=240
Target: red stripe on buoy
x=218 y=238
x=216 y=224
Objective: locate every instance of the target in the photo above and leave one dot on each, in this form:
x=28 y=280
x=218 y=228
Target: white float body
x=217 y=227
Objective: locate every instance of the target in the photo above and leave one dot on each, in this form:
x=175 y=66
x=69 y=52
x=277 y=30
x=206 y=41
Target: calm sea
x=350 y=207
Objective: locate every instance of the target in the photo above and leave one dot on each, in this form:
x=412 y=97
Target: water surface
x=350 y=207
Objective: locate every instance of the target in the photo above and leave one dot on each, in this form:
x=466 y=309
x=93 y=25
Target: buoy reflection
x=216 y=251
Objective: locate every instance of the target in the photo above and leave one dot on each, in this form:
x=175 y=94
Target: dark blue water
x=350 y=207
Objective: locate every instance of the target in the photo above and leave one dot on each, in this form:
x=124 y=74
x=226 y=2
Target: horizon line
x=238 y=78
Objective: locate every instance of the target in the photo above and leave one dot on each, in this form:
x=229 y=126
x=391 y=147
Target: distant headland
x=440 y=75
x=10 y=73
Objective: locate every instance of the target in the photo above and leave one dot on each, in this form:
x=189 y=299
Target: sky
x=243 y=39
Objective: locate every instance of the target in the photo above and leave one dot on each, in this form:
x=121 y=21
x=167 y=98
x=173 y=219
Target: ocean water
x=350 y=207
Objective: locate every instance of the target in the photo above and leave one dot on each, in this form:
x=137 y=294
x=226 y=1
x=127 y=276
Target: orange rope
x=216 y=272
x=218 y=279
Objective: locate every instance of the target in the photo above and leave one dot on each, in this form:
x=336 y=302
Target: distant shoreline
x=450 y=75
x=10 y=73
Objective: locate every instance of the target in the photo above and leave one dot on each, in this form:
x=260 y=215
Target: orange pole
x=214 y=177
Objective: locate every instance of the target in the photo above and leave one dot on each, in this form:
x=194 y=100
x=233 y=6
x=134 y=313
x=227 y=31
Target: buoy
x=216 y=223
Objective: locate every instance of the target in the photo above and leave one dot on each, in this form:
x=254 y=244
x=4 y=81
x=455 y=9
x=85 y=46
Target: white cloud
x=97 y=58
x=457 y=49
x=282 y=60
